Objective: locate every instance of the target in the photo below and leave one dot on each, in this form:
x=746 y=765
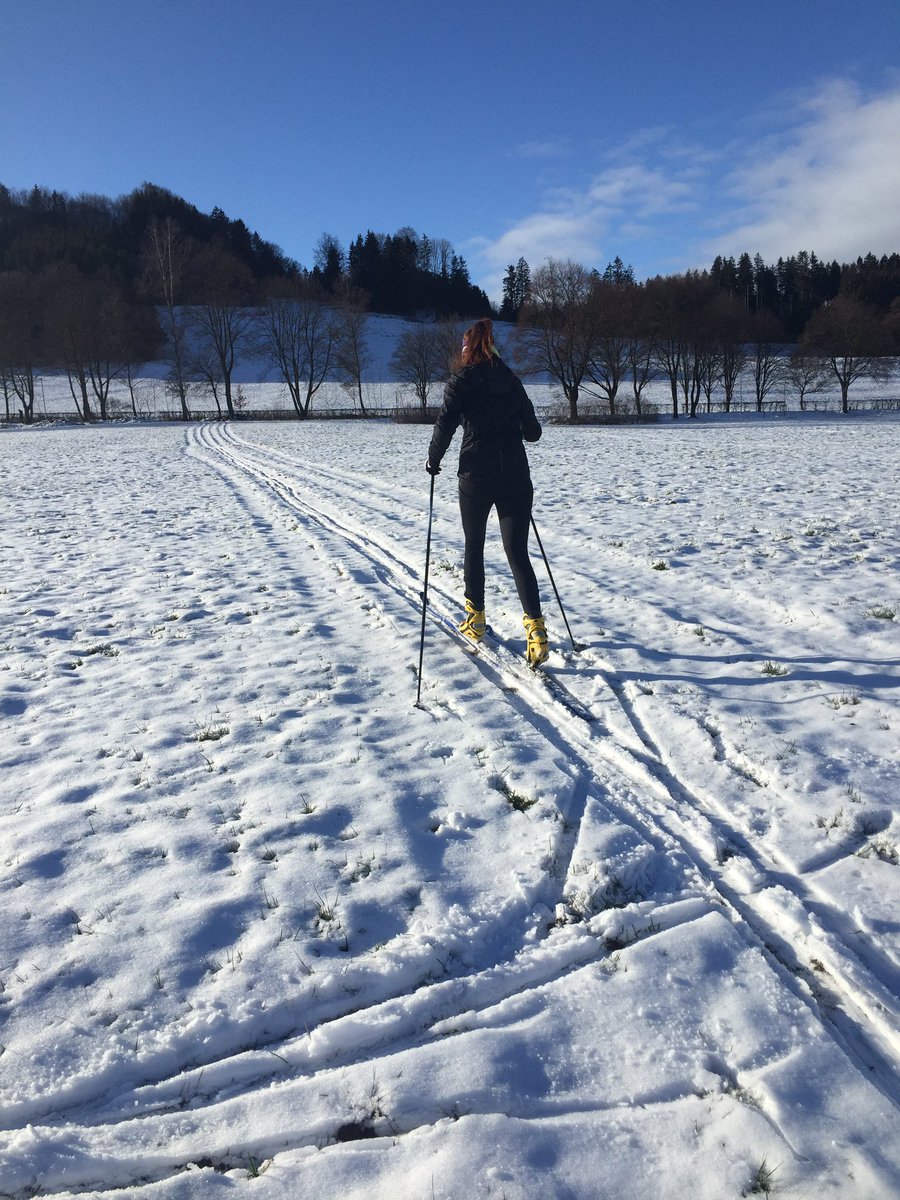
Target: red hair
x=478 y=343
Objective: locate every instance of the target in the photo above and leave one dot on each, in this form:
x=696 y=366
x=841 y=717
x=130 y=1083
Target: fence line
x=589 y=413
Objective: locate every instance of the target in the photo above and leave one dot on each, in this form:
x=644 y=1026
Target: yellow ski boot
x=474 y=624
x=538 y=647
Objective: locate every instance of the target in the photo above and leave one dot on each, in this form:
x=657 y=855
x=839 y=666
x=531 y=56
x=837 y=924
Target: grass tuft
x=210 y=733
x=516 y=800
x=105 y=649
x=881 y=612
x=761 y=1184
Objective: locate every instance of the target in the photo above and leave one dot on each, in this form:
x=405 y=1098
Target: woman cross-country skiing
x=496 y=414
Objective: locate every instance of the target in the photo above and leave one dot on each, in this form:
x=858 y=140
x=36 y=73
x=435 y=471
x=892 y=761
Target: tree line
x=605 y=337
x=96 y=288
x=87 y=328
x=794 y=288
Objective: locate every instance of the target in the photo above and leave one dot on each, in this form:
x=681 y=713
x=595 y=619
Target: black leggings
x=514 y=513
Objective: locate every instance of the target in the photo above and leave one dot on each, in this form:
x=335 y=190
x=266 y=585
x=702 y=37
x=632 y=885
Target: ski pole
x=575 y=646
x=425 y=590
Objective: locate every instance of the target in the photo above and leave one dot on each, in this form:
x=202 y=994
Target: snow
x=630 y=932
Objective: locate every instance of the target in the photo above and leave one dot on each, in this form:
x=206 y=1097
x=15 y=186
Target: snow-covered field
x=271 y=930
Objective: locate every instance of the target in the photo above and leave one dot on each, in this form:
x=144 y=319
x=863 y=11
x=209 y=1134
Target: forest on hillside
x=403 y=273
x=96 y=287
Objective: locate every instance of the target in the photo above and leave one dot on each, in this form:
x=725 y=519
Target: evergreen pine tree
x=508 y=306
x=523 y=284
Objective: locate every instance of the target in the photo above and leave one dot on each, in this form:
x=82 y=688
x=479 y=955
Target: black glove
x=430 y=469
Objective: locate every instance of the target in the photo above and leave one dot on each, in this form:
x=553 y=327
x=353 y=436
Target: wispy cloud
x=830 y=182
x=821 y=171
x=579 y=223
x=640 y=191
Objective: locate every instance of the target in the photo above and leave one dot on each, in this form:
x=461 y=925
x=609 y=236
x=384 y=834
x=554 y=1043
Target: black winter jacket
x=496 y=414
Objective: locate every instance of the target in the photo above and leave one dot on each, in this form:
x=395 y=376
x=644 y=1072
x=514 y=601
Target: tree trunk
x=24 y=388
x=177 y=369
x=101 y=381
x=294 y=389
x=84 y=409
x=695 y=397
x=571 y=393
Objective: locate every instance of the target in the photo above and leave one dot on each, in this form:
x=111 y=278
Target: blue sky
x=665 y=131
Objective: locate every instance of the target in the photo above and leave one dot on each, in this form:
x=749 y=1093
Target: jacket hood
x=494 y=377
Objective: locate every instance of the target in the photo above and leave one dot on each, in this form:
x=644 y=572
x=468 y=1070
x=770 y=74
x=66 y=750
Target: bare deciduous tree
x=852 y=338
x=165 y=258
x=420 y=360
x=23 y=338
x=94 y=331
x=352 y=355
x=728 y=318
x=141 y=342
x=807 y=372
x=609 y=355
x=765 y=354
x=442 y=253
x=641 y=362
x=70 y=312
x=222 y=321
x=557 y=330
x=699 y=368
x=666 y=330
x=299 y=332
x=450 y=335
x=6 y=385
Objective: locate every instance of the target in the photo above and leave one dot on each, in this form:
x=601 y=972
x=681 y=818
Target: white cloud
x=825 y=178
x=830 y=183
x=641 y=191
x=577 y=223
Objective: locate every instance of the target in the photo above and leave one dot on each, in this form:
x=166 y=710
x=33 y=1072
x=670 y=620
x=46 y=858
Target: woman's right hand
x=430 y=469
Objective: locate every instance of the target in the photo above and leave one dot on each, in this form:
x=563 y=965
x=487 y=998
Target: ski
x=506 y=660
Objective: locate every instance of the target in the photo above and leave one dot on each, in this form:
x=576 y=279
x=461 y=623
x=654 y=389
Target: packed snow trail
x=860 y=999
x=646 y=876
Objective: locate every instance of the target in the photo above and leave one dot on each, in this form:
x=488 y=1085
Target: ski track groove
x=869 y=1030
x=645 y=793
